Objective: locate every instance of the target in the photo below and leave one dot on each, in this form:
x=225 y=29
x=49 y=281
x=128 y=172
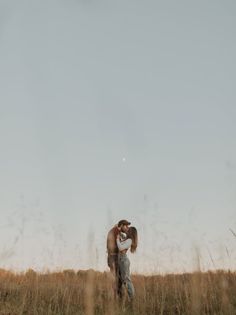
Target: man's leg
x=112 y=261
x=119 y=281
x=119 y=284
x=111 y=264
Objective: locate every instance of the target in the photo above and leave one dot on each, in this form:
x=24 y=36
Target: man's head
x=123 y=225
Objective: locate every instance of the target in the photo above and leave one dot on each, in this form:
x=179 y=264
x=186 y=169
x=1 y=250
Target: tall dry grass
x=89 y=293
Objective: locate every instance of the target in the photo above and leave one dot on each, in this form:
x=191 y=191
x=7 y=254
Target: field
x=89 y=293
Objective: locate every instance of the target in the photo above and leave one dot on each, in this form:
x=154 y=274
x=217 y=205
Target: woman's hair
x=133 y=234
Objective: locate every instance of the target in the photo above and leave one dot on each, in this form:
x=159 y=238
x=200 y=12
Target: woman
x=131 y=243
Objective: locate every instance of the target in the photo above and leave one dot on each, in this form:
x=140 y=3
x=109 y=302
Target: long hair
x=133 y=234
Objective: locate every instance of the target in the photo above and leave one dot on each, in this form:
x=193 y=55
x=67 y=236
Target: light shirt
x=124 y=244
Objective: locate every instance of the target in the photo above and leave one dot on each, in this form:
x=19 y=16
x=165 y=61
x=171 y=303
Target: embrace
x=120 y=239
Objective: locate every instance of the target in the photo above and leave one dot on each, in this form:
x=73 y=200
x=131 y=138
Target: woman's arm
x=123 y=245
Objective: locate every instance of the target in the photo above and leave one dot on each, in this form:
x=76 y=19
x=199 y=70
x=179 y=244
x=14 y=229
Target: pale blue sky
x=85 y=84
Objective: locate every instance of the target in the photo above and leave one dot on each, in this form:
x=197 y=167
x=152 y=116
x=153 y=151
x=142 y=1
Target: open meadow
x=89 y=293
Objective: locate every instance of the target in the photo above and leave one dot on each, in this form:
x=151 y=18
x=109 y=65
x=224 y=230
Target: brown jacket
x=111 y=240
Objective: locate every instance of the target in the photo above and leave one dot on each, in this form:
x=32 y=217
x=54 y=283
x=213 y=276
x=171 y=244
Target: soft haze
x=112 y=110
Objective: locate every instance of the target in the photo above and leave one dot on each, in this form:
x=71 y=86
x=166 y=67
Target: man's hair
x=133 y=234
x=123 y=222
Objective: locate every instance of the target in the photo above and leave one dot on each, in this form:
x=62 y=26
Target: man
x=112 y=252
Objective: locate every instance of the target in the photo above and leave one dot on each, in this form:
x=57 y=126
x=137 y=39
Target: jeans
x=124 y=267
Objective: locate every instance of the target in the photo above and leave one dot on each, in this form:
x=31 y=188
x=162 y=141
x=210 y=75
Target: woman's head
x=133 y=234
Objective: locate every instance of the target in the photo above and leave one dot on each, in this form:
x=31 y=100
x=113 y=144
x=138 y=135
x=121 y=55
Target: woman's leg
x=121 y=265
x=127 y=279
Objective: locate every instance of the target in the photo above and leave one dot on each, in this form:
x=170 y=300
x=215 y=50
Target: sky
x=116 y=110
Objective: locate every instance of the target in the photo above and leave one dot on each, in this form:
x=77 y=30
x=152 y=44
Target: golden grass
x=89 y=293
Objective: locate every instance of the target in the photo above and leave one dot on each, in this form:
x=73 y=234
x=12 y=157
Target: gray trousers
x=124 y=267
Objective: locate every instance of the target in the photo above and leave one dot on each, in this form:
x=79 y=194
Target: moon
x=124 y=159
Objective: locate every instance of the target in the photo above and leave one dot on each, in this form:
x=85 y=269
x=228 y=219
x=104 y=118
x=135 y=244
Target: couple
x=120 y=239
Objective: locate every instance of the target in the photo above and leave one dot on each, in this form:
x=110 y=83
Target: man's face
x=124 y=228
